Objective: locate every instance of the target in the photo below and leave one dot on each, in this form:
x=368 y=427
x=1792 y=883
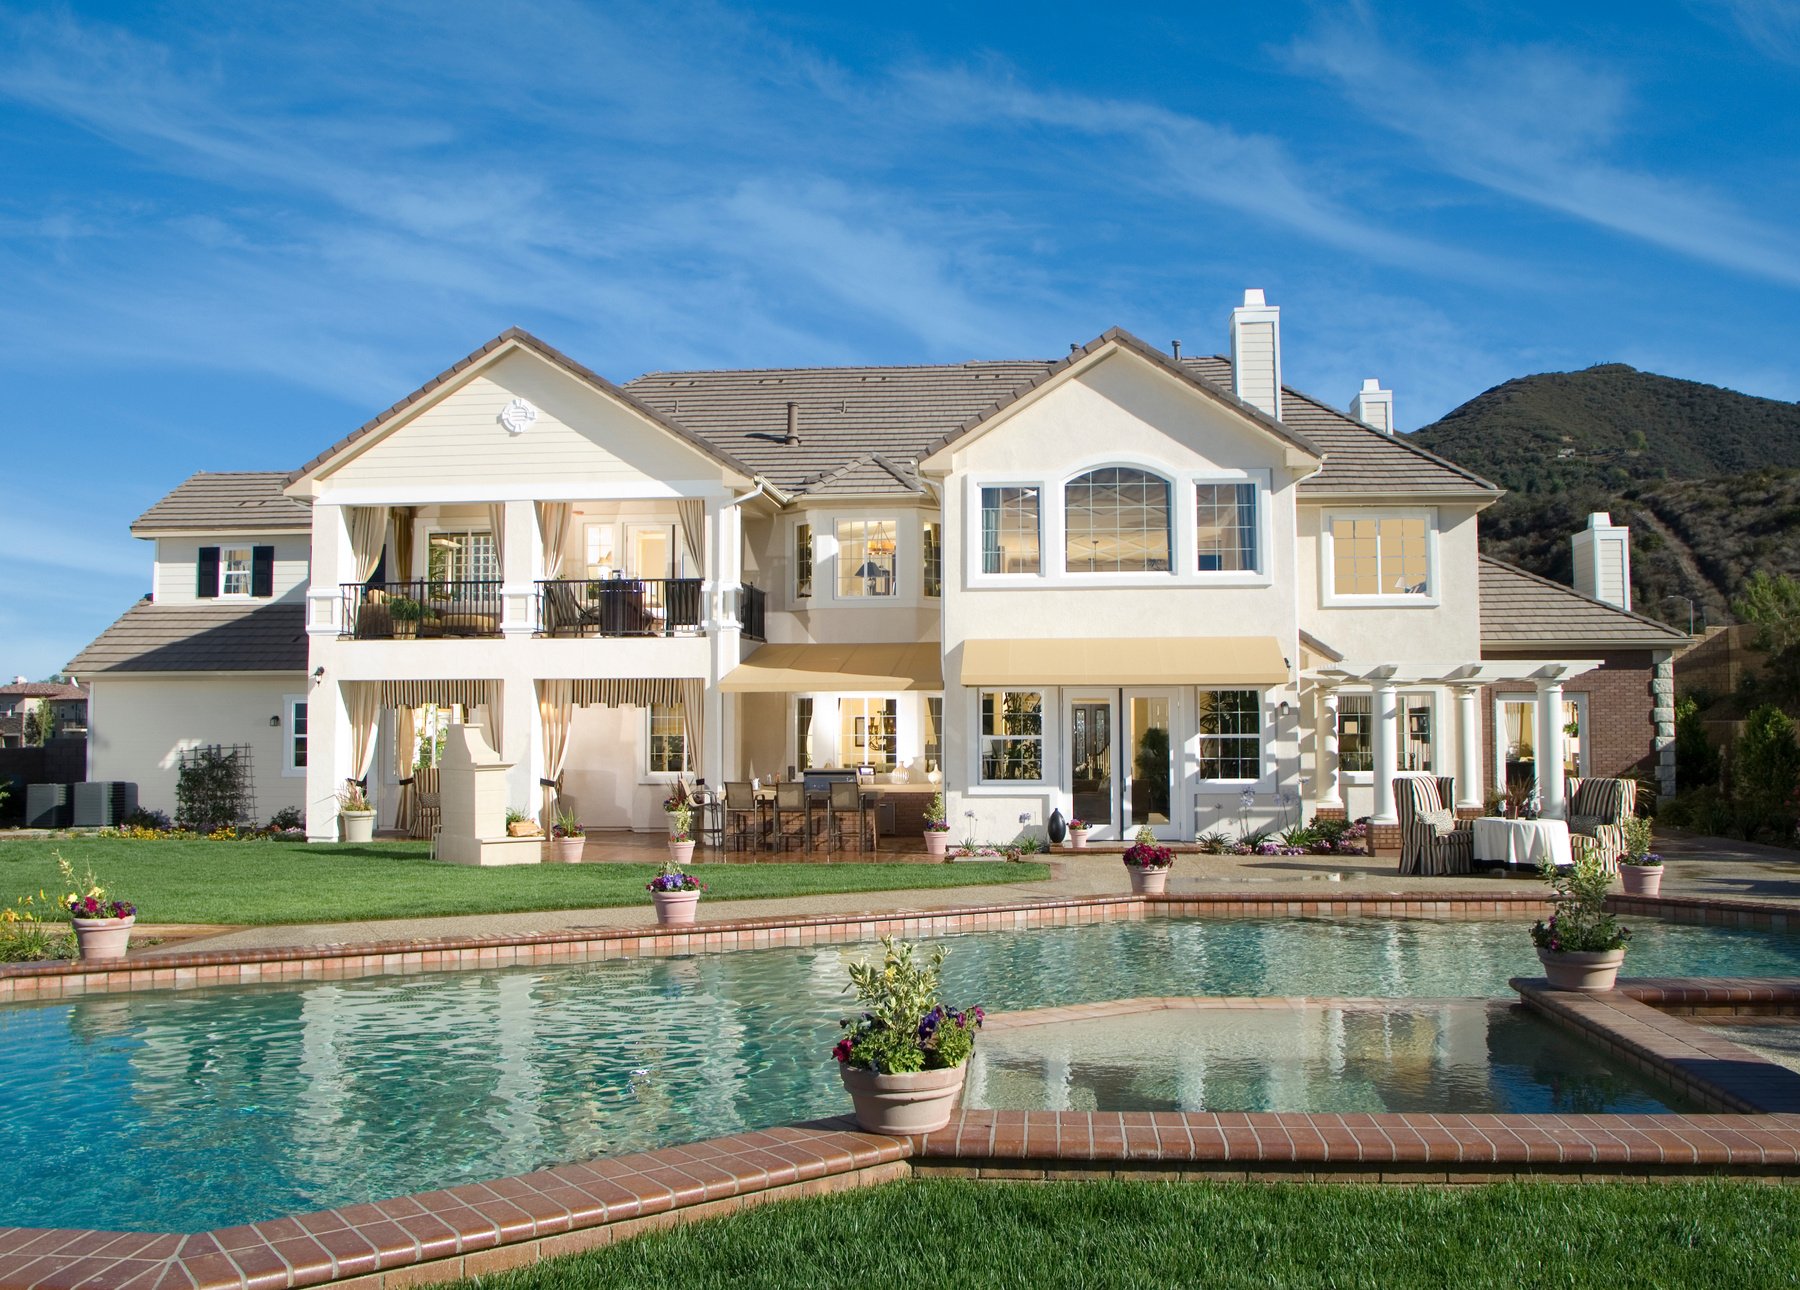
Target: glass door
x=1149 y=780
x=1091 y=763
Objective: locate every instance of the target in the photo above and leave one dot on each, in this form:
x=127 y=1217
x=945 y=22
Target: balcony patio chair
x=1432 y=840
x=566 y=611
x=845 y=804
x=793 y=817
x=743 y=817
x=1598 y=809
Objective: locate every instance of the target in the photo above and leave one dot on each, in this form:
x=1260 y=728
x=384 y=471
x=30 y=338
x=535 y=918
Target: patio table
x=1521 y=843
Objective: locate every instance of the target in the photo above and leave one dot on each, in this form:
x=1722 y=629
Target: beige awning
x=786 y=669
x=1169 y=660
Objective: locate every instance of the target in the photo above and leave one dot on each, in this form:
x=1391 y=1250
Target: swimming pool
x=194 y=1109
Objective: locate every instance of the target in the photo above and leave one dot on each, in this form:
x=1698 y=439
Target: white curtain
x=497 y=523
x=556 y=709
x=363 y=700
x=406 y=752
x=403 y=543
x=693 y=719
x=553 y=526
x=692 y=514
x=368 y=532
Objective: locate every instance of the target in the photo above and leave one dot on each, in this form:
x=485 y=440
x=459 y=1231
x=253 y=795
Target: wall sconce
x=1282 y=708
x=319 y=672
x=275 y=722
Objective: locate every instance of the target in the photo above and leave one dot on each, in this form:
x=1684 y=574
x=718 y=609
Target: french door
x=1122 y=761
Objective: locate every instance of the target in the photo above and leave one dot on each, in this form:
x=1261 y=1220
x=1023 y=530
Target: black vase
x=1057 y=827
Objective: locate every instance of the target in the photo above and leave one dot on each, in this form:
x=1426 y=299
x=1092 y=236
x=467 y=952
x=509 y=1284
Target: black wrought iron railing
x=755 y=610
x=620 y=607
x=420 y=610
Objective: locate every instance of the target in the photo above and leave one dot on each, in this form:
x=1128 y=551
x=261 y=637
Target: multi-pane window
x=931 y=560
x=869 y=732
x=597 y=547
x=234 y=571
x=1009 y=530
x=1011 y=731
x=803 y=718
x=934 y=734
x=1230 y=734
x=1117 y=522
x=1225 y=528
x=297 y=734
x=463 y=557
x=1380 y=555
x=1356 y=732
x=1415 y=753
x=668 y=739
x=803 y=561
x=866 y=557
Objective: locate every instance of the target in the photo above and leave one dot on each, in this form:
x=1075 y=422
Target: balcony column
x=720 y=598
x=331 y=562
x=1550 y=748
x=1331 y=795
x=521 y=565
x=327 y=756
x=1387 y=721
x=1468 y=742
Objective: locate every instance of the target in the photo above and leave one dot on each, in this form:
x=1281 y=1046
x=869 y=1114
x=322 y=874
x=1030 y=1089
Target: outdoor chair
x=1432 y=840
x=1598 y=809
x=564 y=611
x=845 y=804
x=427 y=805
x=793 y=817
x=743 y=816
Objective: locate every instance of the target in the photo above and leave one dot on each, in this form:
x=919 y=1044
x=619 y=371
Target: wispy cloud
x=1769 y=26
x=1536 y=123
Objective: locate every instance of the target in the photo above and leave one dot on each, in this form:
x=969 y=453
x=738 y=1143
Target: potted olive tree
x=1581 y=945
x=937 y=826
x=1640 y=868
x=903 y=1059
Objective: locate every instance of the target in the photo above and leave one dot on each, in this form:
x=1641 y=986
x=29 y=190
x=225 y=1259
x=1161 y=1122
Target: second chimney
x=793 y=429
x=1603 y=561
x=1374 y=406
x=1256 y=353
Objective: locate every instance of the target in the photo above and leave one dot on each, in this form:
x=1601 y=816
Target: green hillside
x=1707 y=478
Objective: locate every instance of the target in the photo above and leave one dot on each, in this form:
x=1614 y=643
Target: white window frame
x=1503 y=697
x=972 y=547
x=466 y=529
x=607 y=533
x=1263 y=724
x=1124 y=577
x=1046 y=770
x=1357 y=776
x=812 y=548
x=926 y=524
x=289 y=702
x=898 y=595
x=1328 y=593
x=225 y=572
x=651 y=776
x=1265 y=529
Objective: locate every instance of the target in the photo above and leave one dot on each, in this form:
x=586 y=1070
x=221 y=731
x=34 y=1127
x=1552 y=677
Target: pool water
x=188 y=1110
x=1442 y=1056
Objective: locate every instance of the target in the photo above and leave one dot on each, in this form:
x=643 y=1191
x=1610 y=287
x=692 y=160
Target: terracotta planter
x=103 y=938
x=1148 y=882
x=937 y=842
x=675 y=907
x=1641 y=879
x=567 y=850
x=1078 y=838
x=901 y=1105
x=1589 y=971
x=681 y=852
x=359 y=826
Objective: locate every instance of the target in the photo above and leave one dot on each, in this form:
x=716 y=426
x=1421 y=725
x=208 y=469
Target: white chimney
x=1256 y=353
x=1603 y=561
x=1374 y=406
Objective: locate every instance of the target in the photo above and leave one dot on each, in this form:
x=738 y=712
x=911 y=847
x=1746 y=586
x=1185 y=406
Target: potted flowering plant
x=1078 y=833
x=1148 y=864
x=937 y=826
x=903 y=1059
x=1580 y=945
x=102 y=926
x=1640 y=868
x=356 y=813
x=405 y=613
x=567 y=838
x=677 y=798
x=675 y=894
x=681 y=840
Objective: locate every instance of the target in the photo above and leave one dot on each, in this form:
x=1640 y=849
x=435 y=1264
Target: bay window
x=866 y=558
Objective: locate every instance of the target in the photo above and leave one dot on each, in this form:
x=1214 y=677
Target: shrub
x=1696 y=760
x=1766 y=771
x=144 y=818
x=905 y=1026
x=1580 y=923
x=287 y=819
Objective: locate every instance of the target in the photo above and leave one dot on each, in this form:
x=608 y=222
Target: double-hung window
x=866 y=558
x=868 y=732
x=1009 y=530
x=1374 y=556
x=667 y=744
x=295 y=761
x=1225 y=528
x=1230 y=735
x=234 y=571
x=1011 y=731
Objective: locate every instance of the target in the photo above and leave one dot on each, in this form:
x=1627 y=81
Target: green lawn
x=1161 y=1235
x=195 y=881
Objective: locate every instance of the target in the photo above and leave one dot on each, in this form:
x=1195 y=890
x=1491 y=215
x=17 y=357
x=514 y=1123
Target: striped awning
x=633 y=692
x=444 y=694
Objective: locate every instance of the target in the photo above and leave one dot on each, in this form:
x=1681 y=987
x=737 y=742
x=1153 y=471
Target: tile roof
x=242 y=501
x=42 y=690
x=199 y=638
x=1520 y=609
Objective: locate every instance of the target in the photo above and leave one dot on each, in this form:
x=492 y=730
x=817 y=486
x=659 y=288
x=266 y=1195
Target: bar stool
x=847 y=801
x=743 y=816
x=793 y=818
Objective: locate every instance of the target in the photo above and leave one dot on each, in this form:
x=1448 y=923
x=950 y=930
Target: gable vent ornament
x=518 y=416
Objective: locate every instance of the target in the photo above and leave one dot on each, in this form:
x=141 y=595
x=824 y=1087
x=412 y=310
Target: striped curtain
x=631 y=692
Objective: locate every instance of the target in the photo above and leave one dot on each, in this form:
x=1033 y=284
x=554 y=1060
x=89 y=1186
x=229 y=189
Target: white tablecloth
x=1522 y=842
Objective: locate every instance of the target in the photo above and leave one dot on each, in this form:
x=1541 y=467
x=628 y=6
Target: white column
x=522 y=564
x=1468 y=760
x=327 y=757
x=330 y=569
x=1550 y=748
x=1387 y=723
x=1330 y=792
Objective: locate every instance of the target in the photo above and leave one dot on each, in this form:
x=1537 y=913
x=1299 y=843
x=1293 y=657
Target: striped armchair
x=1432 y=840
x=1598 y=809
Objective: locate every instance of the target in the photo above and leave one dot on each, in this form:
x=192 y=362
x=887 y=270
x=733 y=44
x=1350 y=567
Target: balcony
x=420 y=610
x=621 y=607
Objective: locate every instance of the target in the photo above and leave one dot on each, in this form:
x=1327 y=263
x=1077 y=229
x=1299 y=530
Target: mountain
x=1707 y=478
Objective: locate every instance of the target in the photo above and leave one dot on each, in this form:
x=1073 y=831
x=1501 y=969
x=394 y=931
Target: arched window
x=1117 y=521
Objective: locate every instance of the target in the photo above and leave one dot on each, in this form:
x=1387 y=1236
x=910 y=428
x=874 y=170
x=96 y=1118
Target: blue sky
x=230 y=233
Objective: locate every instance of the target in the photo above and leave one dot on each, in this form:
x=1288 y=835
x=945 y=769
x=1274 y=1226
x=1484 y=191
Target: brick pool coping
x=23 y=982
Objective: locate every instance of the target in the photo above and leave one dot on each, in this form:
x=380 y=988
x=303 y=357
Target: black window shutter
x=262 y=571
x=206 y=583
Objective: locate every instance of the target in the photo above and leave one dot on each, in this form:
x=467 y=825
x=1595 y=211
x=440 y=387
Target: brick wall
x=1621 y=730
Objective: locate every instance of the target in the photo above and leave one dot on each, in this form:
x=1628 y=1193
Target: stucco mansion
x=1137 y=587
